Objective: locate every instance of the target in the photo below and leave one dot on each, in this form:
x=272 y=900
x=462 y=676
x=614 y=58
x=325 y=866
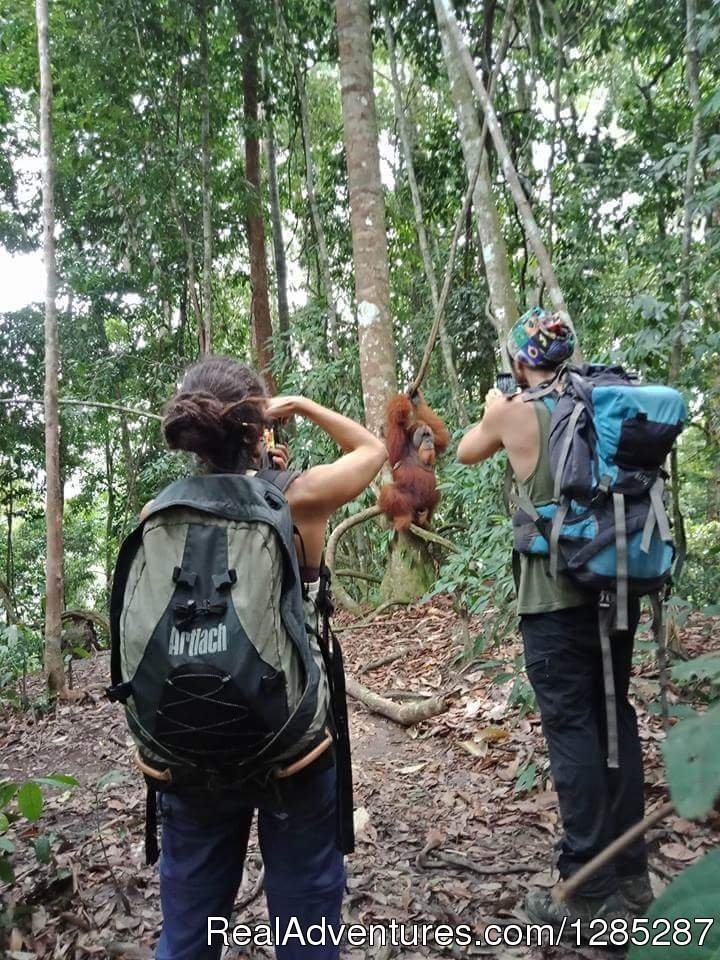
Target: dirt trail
x=451 y=782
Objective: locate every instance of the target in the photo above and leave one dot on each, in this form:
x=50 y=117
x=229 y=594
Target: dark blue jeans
x=564 y=664
x=204 y=843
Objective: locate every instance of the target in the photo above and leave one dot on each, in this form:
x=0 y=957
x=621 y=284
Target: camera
x=506 y=383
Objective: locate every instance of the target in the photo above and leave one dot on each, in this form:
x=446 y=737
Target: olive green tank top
x=538 y=592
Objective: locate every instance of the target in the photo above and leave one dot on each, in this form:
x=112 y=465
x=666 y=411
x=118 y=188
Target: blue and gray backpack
x=607 y=527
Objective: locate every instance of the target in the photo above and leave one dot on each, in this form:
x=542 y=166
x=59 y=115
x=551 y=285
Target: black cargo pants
x=564 y=665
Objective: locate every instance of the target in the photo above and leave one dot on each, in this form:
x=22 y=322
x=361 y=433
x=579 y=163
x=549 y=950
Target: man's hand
x=492 y=396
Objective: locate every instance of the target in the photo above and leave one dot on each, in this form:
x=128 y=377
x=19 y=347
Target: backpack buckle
x=221 y=581
x=605 y=601
x=185 y=577
x=119 y=692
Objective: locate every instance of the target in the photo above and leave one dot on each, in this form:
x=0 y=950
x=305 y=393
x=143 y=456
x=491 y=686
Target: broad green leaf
x=693 y=763
x=57 y=779
x=42 y=850
x=4 y=823
x=7 y=874
x=526 y=781
x=701 y=668
x=693 y=895
x=30 y=800
x=7 y=792
x=112 y=777
x=7 y=846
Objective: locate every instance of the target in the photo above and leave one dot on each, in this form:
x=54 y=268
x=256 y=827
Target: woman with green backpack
x=219 y=660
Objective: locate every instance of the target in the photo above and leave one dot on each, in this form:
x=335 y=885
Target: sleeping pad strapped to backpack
x=223 y=680
x=607 y=527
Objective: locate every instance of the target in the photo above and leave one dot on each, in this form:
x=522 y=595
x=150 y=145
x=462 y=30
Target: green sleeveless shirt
x=538 y=592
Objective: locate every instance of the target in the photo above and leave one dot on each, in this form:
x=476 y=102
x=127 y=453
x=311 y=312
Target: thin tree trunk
x=207 y=306
x=406 y=143
x=110 y=515
x=53 y=513
x=6 y=598
x=261 y=319
x=190 y=260
x=692 y=58
x=318 y=229
x=125 y=442
x=278 y=244
x=460 y=50
x=367 y=210
x=9 y=558
x=492 y=242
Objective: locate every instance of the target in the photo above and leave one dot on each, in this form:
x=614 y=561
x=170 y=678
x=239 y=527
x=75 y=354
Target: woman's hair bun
x=223 y=431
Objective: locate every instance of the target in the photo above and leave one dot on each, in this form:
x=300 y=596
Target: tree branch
x=11 y=401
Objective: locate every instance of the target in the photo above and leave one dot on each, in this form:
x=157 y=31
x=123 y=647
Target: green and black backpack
x=211 y=651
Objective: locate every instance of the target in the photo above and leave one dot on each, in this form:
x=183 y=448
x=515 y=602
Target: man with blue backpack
x=586 y=445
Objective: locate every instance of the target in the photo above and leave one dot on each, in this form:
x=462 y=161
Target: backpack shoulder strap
x=118 y=690
x=279 y=478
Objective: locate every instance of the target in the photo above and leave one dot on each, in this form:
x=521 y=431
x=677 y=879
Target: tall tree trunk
x=318 y=229
x=278 y=243
x=54 y=669
x=492 y=242
x=367 y=210
x=410 y=560
x=261 y=320
x=406 y=143
x=207 y=306
x=692 y=60
x=451 y=31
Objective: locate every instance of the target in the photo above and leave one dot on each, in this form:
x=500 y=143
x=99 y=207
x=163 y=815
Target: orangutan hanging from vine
x=415 y=436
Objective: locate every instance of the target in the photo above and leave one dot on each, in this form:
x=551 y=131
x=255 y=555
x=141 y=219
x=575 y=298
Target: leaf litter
x=444 y=834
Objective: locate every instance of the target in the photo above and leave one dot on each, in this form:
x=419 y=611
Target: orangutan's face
x=424 y=443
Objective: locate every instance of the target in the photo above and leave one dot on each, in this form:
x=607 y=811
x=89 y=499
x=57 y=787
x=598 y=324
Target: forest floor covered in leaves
x=451 y=826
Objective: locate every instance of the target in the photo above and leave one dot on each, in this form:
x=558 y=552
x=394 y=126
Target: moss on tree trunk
x=410 y=571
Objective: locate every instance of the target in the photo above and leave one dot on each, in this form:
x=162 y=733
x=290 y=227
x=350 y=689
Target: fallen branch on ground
x=384 y=661
x=451 y=859
x=406 y=714
x=566 y=890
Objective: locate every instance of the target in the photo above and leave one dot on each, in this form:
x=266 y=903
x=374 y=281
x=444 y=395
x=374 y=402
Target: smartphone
x=268 y=442
x=506 y=383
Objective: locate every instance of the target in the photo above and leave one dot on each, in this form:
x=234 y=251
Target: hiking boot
x=637 y=892
x=542 y=909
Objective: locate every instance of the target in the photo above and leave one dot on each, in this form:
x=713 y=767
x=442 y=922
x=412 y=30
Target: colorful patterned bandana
x=541 y=339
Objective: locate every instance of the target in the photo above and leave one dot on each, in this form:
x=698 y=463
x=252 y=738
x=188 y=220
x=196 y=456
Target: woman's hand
x=279 y=456
x=282 y=408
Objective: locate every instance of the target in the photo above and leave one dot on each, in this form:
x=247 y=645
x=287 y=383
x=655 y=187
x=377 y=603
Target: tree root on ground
x=405 y=714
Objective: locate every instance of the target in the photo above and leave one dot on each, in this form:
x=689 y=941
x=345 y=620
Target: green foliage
x=693 y=763
x=480 y=573
x=694 y=894
x=698 y=669
x=25 y=801
x=20 y=653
